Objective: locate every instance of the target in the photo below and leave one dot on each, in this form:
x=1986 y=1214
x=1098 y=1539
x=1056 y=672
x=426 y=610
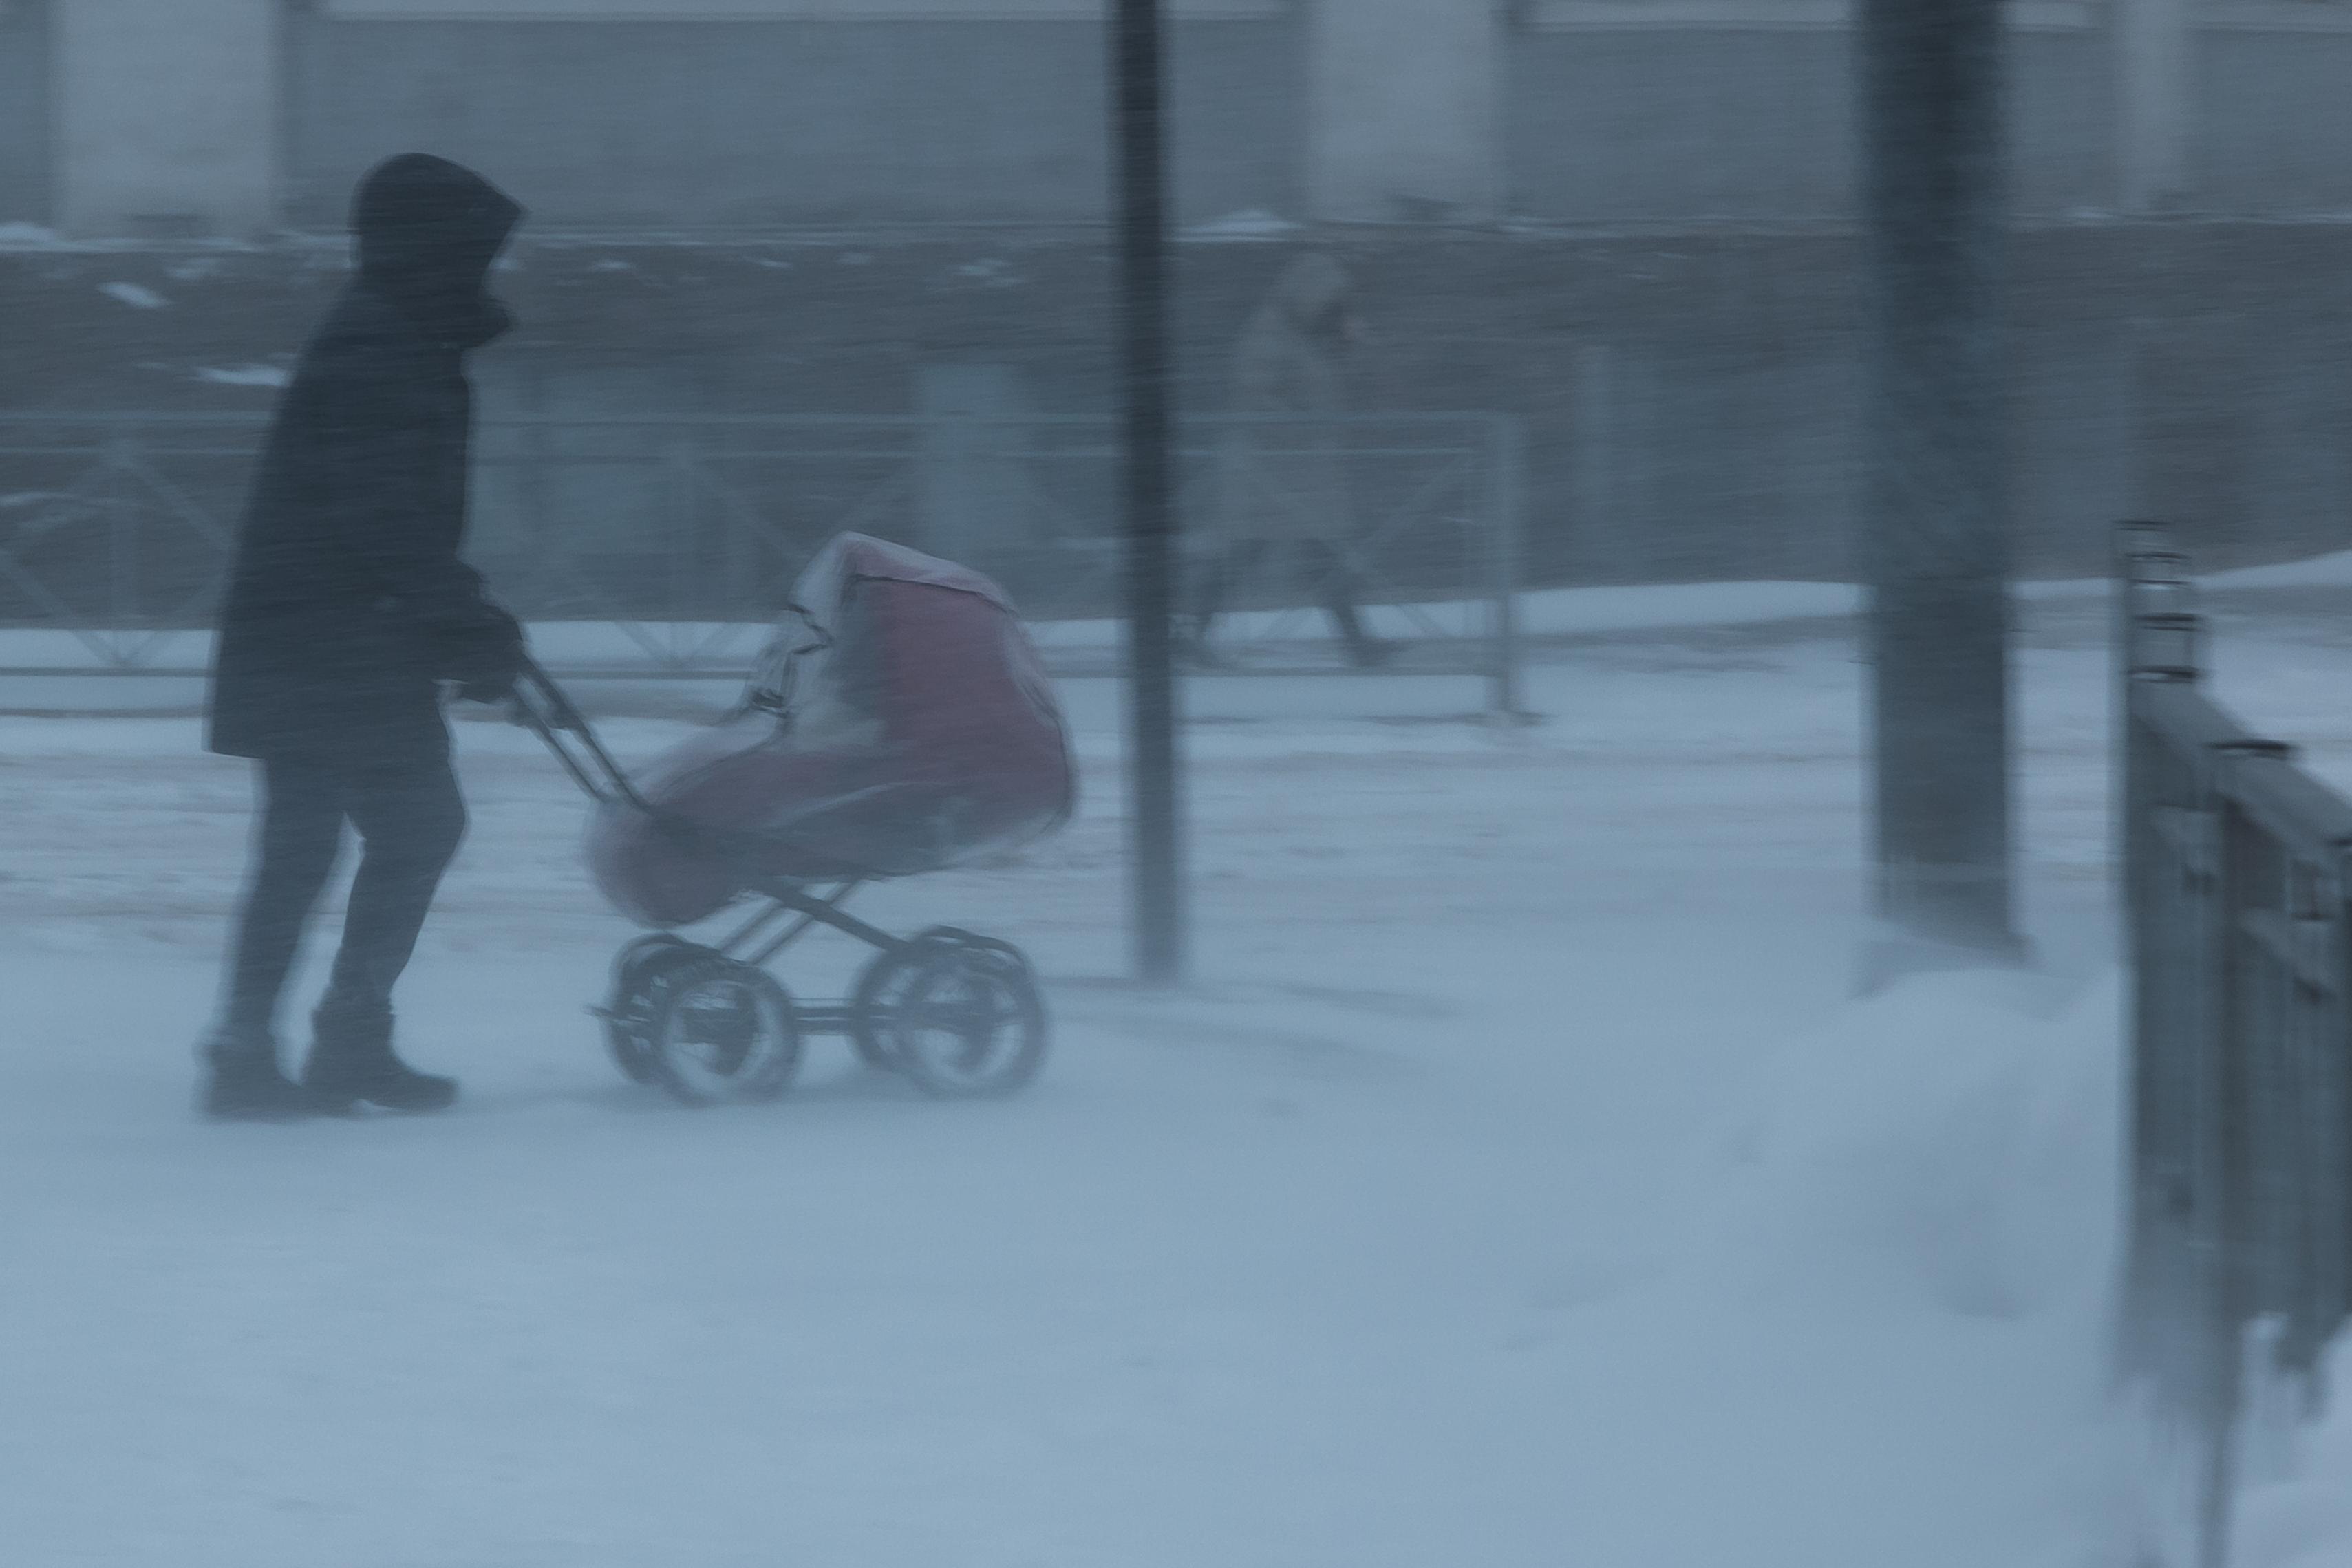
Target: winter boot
x=242 y=1082
x=351 y=1063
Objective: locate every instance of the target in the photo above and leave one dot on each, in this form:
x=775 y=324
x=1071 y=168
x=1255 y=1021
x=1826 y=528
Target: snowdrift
x=1878 y=1336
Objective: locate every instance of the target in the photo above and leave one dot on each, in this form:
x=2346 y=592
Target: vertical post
x=1506 y=452
x=2226 y=1195
x=1591 y=428
x=2150 y=582
x=2151 y=1033
x=544 y=540
x=687 y=555
x=1936 y=524
x=123 y=532
x=2183 y=884
x=1156 y=849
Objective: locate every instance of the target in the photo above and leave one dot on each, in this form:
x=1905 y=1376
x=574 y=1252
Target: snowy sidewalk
x=1516 y=1190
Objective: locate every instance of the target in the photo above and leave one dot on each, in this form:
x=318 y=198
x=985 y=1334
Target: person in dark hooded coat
x=348 y=609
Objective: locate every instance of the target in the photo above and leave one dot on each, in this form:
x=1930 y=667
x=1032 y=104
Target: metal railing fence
x=677 y=532
x=2236 y=867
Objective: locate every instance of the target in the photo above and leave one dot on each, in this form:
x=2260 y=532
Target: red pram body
x=901 y=722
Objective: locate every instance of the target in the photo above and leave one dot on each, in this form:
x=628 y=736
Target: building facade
x=1623 y=221
x=173 y=118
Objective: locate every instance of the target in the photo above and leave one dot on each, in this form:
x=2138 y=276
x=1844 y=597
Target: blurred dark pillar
x=1156 y=826
x=1936 y=517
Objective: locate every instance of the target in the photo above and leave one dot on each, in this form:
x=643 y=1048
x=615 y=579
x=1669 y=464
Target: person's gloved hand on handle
x=484 y=655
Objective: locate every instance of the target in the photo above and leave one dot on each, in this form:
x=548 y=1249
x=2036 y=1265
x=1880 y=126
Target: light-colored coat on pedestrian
x=1287 y=481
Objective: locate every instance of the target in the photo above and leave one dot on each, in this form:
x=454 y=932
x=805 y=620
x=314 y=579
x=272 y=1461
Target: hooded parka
x=347 y=601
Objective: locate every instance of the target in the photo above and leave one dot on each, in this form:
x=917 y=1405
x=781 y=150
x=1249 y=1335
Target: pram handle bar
x=541 y=707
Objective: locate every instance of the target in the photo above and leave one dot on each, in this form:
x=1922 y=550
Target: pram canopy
x=899 y=722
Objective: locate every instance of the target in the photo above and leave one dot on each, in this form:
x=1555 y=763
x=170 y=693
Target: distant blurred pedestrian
x=1281 y=485
x=348 y=607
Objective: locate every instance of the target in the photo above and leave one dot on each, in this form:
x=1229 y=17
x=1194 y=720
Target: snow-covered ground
x=1518 y=1184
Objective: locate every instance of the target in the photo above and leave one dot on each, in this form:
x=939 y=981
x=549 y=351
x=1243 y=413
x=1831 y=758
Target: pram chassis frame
x=542 y=707
x=812 y=909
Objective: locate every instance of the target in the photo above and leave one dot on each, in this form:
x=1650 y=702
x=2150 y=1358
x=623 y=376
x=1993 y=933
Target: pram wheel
x=959 y=1015
x=625 y=1013
x=718 y=1030
x=881 y=986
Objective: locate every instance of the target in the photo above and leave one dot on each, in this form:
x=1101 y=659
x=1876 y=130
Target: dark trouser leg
x=411 y=818
x=294 y=853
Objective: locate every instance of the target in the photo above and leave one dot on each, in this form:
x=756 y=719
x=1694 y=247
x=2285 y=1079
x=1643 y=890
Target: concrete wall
x=652 y=124
x=2272 y=122
x=157 y=117
x=1649 y=124
x=1608 y=124
x=1404 y=113
x=164 y=116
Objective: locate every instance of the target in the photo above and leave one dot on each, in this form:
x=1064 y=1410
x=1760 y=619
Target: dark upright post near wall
x=1937 y=518
x=1156 y=842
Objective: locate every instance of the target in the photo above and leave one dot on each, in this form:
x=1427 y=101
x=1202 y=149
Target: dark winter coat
x=347 y=601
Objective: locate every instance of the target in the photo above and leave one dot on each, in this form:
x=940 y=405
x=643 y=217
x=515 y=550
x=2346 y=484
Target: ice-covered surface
x=2333 y=570
x=1518 y=1185
x=1297 y=637
x=1550 y=612
x=245 y=375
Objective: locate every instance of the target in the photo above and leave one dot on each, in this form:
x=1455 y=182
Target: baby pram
x=898 y=723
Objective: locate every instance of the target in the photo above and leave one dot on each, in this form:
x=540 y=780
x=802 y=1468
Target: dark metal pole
x=1156 y=848
x=1936 y=528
